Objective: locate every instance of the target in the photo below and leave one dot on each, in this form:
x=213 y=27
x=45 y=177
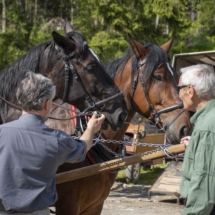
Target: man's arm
x=202 y=184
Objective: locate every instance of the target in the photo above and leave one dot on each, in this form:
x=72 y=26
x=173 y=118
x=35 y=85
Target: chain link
x=158 y=147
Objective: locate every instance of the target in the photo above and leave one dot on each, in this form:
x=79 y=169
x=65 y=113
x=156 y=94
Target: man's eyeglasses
x=182 y=86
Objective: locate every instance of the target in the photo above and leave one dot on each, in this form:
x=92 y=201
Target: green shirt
x=198 y=170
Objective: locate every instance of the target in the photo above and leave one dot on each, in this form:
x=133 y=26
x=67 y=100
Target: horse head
x=85 y=81
x=150 y=88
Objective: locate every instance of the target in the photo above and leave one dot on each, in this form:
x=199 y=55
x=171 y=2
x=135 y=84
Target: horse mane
x=16 y=72
x=154 y=58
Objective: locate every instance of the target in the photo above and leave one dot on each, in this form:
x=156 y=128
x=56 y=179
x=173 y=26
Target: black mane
x=155 y=57
x=12 y=75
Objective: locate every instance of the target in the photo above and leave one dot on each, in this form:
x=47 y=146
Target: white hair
x=202 y=78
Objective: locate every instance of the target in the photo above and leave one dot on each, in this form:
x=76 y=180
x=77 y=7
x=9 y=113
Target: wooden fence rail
x=114 y=164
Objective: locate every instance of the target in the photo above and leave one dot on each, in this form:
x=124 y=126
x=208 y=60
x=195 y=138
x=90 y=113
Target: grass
x=148 y=176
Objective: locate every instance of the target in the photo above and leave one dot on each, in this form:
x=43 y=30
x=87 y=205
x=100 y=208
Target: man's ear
x=191 y=91
x=47 y=104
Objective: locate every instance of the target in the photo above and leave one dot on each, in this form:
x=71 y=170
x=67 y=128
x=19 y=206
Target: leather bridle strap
x=155 y=113
x=11 y=104
x=168 y=109
x=70 y=67
x=67 y=70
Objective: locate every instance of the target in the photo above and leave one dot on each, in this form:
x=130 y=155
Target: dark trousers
x=213 y=211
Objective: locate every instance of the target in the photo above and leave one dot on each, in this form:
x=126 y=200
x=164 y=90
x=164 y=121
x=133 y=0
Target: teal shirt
x=198 y=170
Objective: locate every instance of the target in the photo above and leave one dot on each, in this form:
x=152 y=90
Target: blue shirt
x=30 y=153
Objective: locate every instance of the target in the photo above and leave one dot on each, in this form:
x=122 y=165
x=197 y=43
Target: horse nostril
x=184 y=131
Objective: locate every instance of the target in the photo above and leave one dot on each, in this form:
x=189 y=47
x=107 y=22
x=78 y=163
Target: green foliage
x=107 y=23
x=147 y=176
x=108 y=46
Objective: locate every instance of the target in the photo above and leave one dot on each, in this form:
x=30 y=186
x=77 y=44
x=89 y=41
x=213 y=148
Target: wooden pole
x=114 y=164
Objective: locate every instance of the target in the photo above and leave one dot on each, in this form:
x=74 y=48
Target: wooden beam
x=114 y=164
x=212 y=59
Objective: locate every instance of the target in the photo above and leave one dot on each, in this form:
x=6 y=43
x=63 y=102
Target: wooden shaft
x=114 y=164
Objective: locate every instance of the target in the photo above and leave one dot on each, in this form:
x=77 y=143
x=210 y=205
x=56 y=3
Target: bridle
x=70 y=69
x=155 y=114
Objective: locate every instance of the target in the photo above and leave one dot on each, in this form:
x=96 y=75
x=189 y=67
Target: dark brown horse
x=143 y=72
x=79 y=76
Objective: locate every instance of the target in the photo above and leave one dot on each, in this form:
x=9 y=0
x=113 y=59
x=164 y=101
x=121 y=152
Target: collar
x=31 y=116
x=202 y=111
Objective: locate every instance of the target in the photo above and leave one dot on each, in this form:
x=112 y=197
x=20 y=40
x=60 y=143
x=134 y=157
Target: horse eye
x=158 y=77
x=90 y=68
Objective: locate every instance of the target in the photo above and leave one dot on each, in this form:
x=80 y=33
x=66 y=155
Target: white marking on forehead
x=84 y=43
x=94 y=54
x=169 y=68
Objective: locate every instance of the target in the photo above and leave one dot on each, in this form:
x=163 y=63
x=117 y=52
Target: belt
x=14 y=212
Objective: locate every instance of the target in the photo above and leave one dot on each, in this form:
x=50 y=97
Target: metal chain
x=158 y=146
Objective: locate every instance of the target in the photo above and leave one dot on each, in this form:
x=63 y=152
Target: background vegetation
x=147 y=176
x=106 y=24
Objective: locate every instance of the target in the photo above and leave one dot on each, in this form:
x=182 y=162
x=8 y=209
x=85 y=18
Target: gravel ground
x=133 y=200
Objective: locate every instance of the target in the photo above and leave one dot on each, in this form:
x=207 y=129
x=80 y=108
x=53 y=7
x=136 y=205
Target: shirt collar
x=31 y=116
x=202 y=111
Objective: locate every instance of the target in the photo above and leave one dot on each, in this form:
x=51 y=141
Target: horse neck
x=54 y=68
x=117 y=135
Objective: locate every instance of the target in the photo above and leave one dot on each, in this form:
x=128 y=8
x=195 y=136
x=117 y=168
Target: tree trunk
x=157 y=21
x=3 y=16
x=35 y=11
x=22 y=5
x=72 y=13
x=31 y=9
x=45 y=8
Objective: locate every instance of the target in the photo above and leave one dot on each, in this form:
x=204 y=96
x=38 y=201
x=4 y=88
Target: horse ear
x=61 y=41
x=68 y=28
x=167 y=46
x=139 y=50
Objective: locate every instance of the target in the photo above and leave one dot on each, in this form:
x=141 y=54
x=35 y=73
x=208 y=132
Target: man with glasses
x=197 y=91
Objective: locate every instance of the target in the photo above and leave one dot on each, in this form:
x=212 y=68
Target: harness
x=155 y=114
x=70 y=69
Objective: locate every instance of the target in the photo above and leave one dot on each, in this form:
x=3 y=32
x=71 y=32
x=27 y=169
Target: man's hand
x=95 y=123
x=93 y=126
x=185 y=140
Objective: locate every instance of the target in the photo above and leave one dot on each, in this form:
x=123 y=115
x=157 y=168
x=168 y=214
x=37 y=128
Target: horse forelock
x=154 y=59
x=11 y=76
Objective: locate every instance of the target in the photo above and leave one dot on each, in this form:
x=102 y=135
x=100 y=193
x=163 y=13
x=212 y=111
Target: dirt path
x=133 y=200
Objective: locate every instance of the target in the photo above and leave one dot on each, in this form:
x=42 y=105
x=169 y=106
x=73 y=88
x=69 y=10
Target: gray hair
x=33 y=91
x=202 y=78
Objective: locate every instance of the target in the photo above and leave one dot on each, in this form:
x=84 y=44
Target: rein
x=11 y=104
x=86 y=112
x=155 y=114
